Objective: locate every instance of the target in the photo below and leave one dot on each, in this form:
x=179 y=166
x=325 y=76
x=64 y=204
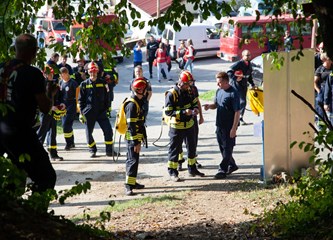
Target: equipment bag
x=121 y=123
x=256 y=100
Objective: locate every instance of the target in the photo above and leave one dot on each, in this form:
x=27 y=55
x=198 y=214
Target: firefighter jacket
x=135 y=120
x=68 y=93
x=176 y=102
x=94 y=96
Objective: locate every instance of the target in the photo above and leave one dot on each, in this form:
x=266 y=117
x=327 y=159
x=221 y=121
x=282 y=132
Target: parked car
x=54 y=29
x=205 y=39
x=257 y=70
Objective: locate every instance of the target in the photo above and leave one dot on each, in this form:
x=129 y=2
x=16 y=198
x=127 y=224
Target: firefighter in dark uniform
x=68 y=89
x=24 y=91
x=94 y=103
x=135 y=133
x=181 y=108
x=241 y=74
x=193 y=91
x=48 y=121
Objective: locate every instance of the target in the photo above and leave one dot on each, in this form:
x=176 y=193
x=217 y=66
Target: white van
x=205 y=37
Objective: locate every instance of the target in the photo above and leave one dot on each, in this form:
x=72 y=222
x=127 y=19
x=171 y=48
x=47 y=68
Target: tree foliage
x=15 y=18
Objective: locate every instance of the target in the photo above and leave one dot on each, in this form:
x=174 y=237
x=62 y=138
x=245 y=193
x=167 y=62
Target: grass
x=208 y=96
x=118 y=206
x=264 y=195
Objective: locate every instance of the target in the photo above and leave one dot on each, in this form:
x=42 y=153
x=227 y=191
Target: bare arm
x=235 y=125
x=209 y=106
x=316 y=81
x=201 y=119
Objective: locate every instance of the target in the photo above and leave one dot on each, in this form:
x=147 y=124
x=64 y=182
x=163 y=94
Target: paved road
x=107 y=177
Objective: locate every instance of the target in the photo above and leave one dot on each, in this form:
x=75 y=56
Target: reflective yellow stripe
x=172 y=165
x=53 y=147
x=191 y=161
x=99 y=85
x=108 y=142
x=68 y=135
x=138 y=136
x=89 y=86
x=181 y=125
x=133 y=120
x=180 y=156
x=130 y=180
x=91 y=145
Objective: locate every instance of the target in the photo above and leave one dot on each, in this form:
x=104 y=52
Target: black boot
x=193 y=171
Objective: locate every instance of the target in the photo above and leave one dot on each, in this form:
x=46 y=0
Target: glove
x=82 y=119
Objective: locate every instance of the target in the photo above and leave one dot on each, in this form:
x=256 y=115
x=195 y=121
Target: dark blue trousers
x=226 y=145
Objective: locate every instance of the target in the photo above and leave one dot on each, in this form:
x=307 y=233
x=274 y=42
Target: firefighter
x=94 y=103
x=193 y=90
x=135 y=134
x=68 y=89
x=181 y=108
x=48 y=121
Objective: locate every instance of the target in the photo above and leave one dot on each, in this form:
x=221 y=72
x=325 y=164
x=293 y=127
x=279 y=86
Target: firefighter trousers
x=132 y=164
x=67 y=124
x=104 y=123
x=48 y=130
x=177 y=136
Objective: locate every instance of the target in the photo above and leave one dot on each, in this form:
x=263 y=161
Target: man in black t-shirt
x=22 y=90
x=228 y=108
x=152 y=46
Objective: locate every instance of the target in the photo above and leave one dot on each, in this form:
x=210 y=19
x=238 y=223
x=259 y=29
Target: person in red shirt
x=189 y=55
x=161 y=58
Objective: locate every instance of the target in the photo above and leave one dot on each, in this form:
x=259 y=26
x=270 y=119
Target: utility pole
x=158 y=8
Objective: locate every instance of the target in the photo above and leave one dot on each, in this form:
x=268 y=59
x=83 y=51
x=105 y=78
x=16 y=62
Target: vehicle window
x=306 y=30
x=159 y=31
x=152 y=31
x=278 y=28
x=212 y=33
x=170 y=35
x=75 y=31
x=251 y=32
x=164 y=34
x=218 y=25
x=45 y=25
x=59 y=26
x=227 y=30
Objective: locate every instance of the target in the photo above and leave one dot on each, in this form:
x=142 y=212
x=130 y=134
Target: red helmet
x=139 y=85
x=48 y=69
x=185 y=76
x=92 y=67
x=239 y=73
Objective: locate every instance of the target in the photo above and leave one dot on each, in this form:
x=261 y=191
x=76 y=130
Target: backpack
x=165 y=118
x=121 y=123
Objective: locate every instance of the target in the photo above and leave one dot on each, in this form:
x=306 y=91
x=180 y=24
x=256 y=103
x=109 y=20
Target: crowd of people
x=60 y=92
